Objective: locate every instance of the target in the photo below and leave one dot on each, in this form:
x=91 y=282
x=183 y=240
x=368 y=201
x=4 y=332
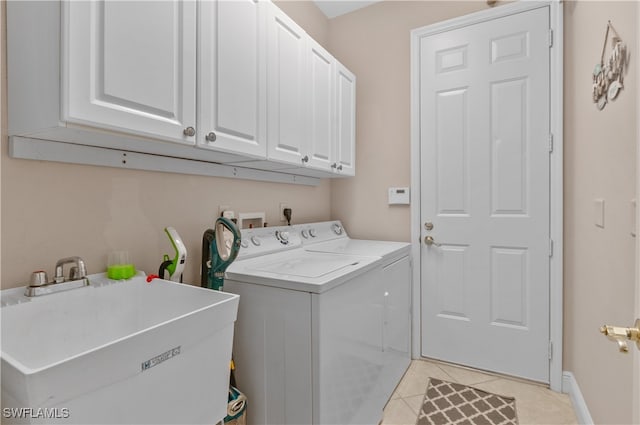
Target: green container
x=121 y=271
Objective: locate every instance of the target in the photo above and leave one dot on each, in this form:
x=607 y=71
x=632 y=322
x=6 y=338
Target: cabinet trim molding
x=70 y=153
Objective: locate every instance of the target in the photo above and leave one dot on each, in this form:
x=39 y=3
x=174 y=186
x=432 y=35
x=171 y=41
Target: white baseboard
x=570 y=386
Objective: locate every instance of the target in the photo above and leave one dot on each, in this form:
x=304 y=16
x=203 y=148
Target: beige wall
x=308 y=16
x=599 y=163
x=52 y=210
x=374 y=44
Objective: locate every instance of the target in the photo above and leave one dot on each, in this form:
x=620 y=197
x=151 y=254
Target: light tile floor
x=535 y=403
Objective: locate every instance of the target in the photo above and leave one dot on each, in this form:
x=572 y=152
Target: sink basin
x=117 y=352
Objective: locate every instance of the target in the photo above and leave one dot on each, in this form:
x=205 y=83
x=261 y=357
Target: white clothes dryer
x=323 y=328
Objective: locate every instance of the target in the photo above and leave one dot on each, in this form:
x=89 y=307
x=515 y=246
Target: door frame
x=636 y=353
x=556 y=168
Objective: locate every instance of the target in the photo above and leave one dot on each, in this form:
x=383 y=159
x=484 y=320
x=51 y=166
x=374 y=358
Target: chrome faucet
x=77 y=278
x=79 y=271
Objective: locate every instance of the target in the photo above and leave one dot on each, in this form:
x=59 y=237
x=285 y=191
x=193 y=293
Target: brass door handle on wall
x=622 y=335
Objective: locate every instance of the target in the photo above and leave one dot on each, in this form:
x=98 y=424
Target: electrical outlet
x=282 y=207
x=223 y=208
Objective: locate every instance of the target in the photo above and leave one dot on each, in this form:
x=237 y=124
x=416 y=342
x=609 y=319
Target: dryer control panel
x=320 y=232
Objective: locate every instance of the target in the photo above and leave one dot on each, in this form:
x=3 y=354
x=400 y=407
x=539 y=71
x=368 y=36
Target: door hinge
x=550 y=142
x=550 y=37
x=550 y=350
x=550 y=248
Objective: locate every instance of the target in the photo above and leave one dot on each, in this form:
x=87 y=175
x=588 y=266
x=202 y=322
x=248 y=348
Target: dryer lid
x=309 y=264
x=359 y=247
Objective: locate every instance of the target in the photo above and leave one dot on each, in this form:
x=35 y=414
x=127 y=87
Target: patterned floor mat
x=451 y=403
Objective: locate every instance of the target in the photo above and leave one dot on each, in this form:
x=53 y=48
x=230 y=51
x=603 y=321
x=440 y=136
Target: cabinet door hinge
x=550 y=37
x=550 y=350
x=550 y=248
x=550 y=142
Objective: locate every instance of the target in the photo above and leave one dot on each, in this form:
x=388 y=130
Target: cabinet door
x=345 y=139
x=287 y=116
x=321 y=72
x=232 y=77
x=131 y=66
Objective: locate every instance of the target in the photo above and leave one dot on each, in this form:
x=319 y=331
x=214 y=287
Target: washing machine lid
x=360 y=247
x=300 y=269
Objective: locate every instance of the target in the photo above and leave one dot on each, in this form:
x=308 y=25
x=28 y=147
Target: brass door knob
x=621 y=335
x=428 y=240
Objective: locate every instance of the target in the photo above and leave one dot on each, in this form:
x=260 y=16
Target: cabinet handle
x=340 y=167
x=189 y=132
x=305 y=158
x=334 y=165
x=211 y=137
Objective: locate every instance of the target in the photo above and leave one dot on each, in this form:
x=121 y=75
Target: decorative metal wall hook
x=608 y=76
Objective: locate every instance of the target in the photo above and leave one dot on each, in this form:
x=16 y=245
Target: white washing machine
x=323 y=328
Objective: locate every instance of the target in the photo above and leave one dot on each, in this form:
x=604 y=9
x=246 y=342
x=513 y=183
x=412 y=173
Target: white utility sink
x=117 y=352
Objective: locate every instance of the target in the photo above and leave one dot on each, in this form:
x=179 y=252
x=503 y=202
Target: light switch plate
x=598 y=212
x=399 y=196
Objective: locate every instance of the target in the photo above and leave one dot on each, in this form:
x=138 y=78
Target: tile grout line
x=411 y=408
x=443 y=371
x=489 y=378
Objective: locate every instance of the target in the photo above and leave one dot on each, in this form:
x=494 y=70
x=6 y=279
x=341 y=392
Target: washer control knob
x=305 y=234
x=337 y=229
x=312 y=233
x=283 y=237
x=256 y=241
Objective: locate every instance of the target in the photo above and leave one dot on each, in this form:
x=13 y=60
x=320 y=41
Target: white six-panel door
x=484 y=141
x=232 y=77
x=144 y=84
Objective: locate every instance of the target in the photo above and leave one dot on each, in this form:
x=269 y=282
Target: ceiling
x=333 y=8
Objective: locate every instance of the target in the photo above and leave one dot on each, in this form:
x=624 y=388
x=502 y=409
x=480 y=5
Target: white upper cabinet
x=219 y=81
x=321 y=71
x=131 y=66
x=287 y=88
x=310 y=101
x=345 y=136
x=232 y=77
